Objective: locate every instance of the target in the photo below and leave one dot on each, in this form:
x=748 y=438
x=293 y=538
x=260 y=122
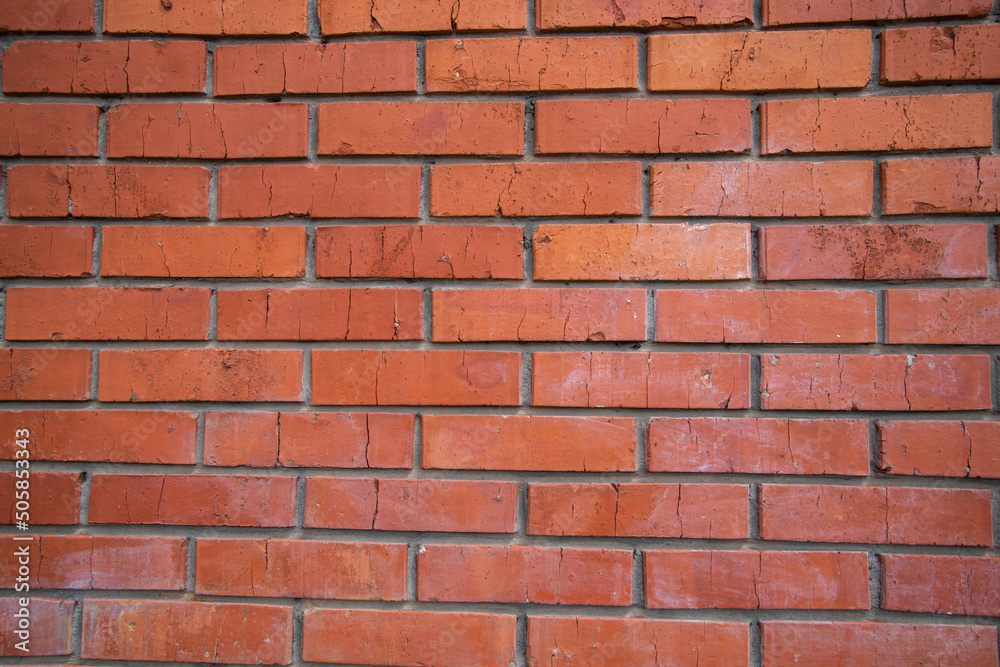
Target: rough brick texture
x=506 y=333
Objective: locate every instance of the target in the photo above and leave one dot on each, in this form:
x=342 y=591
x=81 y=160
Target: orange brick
x=44 y=374
x=539 y=314
x=320 y=314
x=756 y=580
x=875 y=515
x=415 y=377
x=456 y=506
x=942 y=316
x=940 y=53
x=783 y=12
x=55 y=499
x=564 y=14
x=345 y=440
x=47 y=16
x=341 y=17
x=301 y=569
x=421 y=128
x=50 y=630
x=509 y=64
x=208 y=252
x=761 y=189
x=107 y=313
x=420 y=251
x=313 y=69
x=104 y=68
x=536 y=575
x=208 y=17
x=872 y=252
x=192 y=500
x=200 y=375
x=940 y=449
x=697 y=511
x=444 y=639
x=106 y=436
x=241 y=439
x=46 y=251
x=765 y=316
x=966 y=585
x=903 y=123
x=618 y=251
x=641 y=380
x=760 y=61
x=48 y=129
x=941 y=185
x=528 y=442
x=319 y=191
x=536 y=189
x=758 y=446
x=642 y=126
x=107 y=191
x=208 y=131
x=875 y=382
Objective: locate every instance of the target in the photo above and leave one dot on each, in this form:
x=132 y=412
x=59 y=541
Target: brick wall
x=575 y=332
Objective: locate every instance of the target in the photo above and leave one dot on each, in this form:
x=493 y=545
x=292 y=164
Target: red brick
x=760 y=61
x=186 y=631
x=941 y=185
x=107 y=313
x=875 y=382
x=105 y=436
x=761 y=189
x=940 y=53
x=536 y=189
x=55 y=498
x=455 y=506
x=100 y=562
x=209 y=17
x=618 y=251
x=200 y=375
x=44 y=374
x=903 y=123
x=415 y=377
x=107 y=191
x=698 y=511
x=940 y=449
x=563 y=14
x=641 y=380
x=642 y=126
x=509 y=64
x=781 y=12
x=344 y=191
x=875 y=515
x=194 y=130
x=313 y=69
x=391 y=637
x=758 y=446
x=635 y=641
x=820 y=644
x=519 y=574
x=420 y=251
x=301 y=569
x=48 y=129
x=47 y=16
x=50 y=626
x=421 y=128
x=539 y=314
x=756 y=580
x=320 y=314
x=765 y=316
x=345 y=440
x=192 y=500
x=241 y=439
x=966 y=585
x=942 y=316
x=46 y=251
x=342 y=17
x=203 y=252
x=104 y=68
x=872 y=252
x=528 y=442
